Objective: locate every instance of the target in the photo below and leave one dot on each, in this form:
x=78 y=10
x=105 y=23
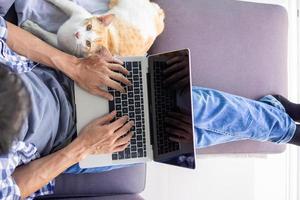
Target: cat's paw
x=30 y=26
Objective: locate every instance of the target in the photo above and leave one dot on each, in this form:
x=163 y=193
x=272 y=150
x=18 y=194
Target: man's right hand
x=98 y=71
x=102 y=136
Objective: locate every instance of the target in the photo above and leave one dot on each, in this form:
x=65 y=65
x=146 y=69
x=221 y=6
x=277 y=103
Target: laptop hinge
x=150 y=108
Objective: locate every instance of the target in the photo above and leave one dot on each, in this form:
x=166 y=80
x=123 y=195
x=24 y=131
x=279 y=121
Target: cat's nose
x=77 y=35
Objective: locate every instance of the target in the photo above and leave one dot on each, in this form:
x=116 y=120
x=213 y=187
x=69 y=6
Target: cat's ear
x=106 y=19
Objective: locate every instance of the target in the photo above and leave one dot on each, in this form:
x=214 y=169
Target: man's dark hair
x=14 y=106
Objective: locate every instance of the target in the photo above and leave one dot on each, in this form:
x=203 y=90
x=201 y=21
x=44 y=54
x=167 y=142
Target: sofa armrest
x=127 y=180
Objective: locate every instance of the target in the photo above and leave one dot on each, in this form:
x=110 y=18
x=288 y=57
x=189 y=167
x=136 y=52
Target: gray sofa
x=236 y=47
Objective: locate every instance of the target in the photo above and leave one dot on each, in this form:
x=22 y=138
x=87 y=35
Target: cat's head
x=88 y=37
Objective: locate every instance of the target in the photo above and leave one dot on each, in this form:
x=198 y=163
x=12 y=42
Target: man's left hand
x=93 y=74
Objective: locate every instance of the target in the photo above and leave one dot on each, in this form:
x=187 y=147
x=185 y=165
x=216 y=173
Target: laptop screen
x=171 y=108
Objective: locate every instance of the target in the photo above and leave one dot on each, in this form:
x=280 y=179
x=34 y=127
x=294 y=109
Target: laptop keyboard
x=131 y=104
x=165 y=101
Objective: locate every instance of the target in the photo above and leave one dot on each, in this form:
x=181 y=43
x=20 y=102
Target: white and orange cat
x=129 y=28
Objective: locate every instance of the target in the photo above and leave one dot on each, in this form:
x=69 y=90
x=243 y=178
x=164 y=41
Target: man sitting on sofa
x=36 y=117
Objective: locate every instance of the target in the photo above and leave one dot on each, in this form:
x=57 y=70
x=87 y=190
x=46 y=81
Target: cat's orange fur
x=128 y=40
x=122 y=38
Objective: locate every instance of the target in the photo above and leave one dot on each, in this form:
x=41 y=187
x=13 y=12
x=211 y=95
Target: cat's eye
x=88 y=43
x=89 y=27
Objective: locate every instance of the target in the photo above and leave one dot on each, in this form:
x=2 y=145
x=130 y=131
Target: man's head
x=14 y=106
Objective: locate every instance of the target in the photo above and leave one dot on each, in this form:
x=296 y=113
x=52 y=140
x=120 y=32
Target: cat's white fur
x=66 y=34
x=140 y=13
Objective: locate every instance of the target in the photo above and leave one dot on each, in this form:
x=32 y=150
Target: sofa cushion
x=128 y=180
x=236 y=47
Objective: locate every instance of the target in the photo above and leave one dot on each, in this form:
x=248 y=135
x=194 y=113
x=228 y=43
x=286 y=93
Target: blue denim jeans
x=220 y=117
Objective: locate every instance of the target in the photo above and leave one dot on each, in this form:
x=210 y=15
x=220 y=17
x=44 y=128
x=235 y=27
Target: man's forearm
x=28 y=45
x=34 y=175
